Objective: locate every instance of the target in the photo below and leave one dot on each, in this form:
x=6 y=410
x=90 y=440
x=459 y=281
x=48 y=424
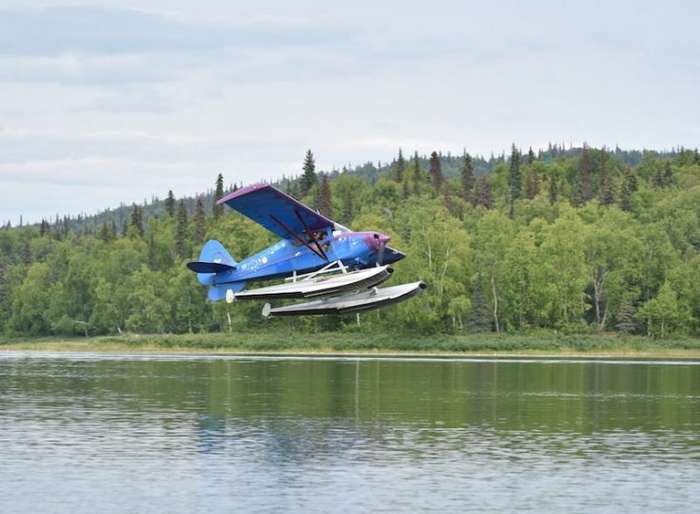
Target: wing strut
x=309 y=233
x=317 y=250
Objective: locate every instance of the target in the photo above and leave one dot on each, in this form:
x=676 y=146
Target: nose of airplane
x=379 y=240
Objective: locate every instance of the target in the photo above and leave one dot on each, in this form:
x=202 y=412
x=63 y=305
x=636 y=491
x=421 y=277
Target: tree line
x=580 y=241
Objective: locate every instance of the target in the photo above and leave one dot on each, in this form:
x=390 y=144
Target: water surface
x=122 y=433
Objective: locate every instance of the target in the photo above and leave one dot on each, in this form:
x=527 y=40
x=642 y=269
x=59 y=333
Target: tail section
x=214 y=263
x=213 y=259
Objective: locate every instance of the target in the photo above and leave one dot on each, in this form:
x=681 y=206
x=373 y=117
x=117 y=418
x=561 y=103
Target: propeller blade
x=380 y=255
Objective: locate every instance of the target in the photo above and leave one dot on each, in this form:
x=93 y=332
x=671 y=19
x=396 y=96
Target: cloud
x=53 y=31
x=104 y=101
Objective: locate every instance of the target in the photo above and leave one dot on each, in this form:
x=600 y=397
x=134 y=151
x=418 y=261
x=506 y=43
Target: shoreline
x=360 y=345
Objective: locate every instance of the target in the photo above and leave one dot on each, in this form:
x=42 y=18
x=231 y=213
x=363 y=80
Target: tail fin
x=213 y=259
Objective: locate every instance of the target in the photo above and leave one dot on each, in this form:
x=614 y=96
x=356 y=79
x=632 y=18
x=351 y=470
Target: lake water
x=142 y=434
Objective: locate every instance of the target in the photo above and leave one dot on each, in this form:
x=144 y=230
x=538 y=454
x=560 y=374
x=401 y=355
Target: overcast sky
x=104 y=101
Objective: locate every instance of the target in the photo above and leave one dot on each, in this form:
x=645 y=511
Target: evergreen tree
x=607 y=188
x=585 y=187
x=515 y=179
x=485 y=196
x=308 y=178
x=668 y=175
x=43 y=228
x=405 y=190
x=533 y=184
x=105 y=233
x=626 y=321
x=480 y=316
x=152 y=251
x=553 y=189
x=416 y=174
x=27 y=256
x=137 y=219
x=170 y=204
x=400 y=167
x=468 y=179
x=218 y=210
x=447 y=197
x=324 y=197
x=181 y=231
x=200 y=222
x=577 y=194
x=5 y=298
x=629 y=187
x=113 y=230
x=436 y=172
x=530 y=157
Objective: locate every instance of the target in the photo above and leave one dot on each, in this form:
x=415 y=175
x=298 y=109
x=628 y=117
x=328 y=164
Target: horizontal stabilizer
x=209 y=267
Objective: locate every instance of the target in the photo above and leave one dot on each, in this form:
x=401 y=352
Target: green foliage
x=496 y=256
x=664 y=314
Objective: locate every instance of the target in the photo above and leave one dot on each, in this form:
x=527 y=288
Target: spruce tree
x=170 y=204
x=27 y=256
x=436 y=172
x=181 y=231
x=530 y=157
x=200 y=222
x=629 y=187
x=137 y=219
x=485 y=196
x=218 y=210
x=308 y=178
x=480 y=315
x=105 y=233
x=153 y=263
x=447 y=198
x=400 y=167
x=324 y=197
x=626 y=318
x=515 y=178
x=113 y=229
x=416 y=174
x=606 y=192
x=668 y=175
x=577 y=194
x=553 y=189
x=533 y=184
x=585 y=187
x=468 y=179
x=405 y=190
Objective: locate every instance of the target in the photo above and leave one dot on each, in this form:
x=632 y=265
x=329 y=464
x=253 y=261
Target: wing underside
x=281 y=214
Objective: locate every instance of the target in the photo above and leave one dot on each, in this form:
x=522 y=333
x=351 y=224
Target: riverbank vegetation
x=329 y=342
x=577 y=241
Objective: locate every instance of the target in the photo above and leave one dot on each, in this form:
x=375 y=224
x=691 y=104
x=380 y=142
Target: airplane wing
x=279 y=213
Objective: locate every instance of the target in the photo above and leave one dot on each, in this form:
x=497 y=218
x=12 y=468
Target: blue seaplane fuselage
x=355 y=250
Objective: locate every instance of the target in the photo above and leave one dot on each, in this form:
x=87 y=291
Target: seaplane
x=336 y=270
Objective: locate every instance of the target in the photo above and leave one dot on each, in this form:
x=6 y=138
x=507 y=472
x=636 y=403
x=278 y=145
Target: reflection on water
x=132 y=434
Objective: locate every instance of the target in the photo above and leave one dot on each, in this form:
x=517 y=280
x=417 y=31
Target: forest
x=577 y=241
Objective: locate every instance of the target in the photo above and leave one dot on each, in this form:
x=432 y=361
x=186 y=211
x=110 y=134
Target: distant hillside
x=369 y=171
